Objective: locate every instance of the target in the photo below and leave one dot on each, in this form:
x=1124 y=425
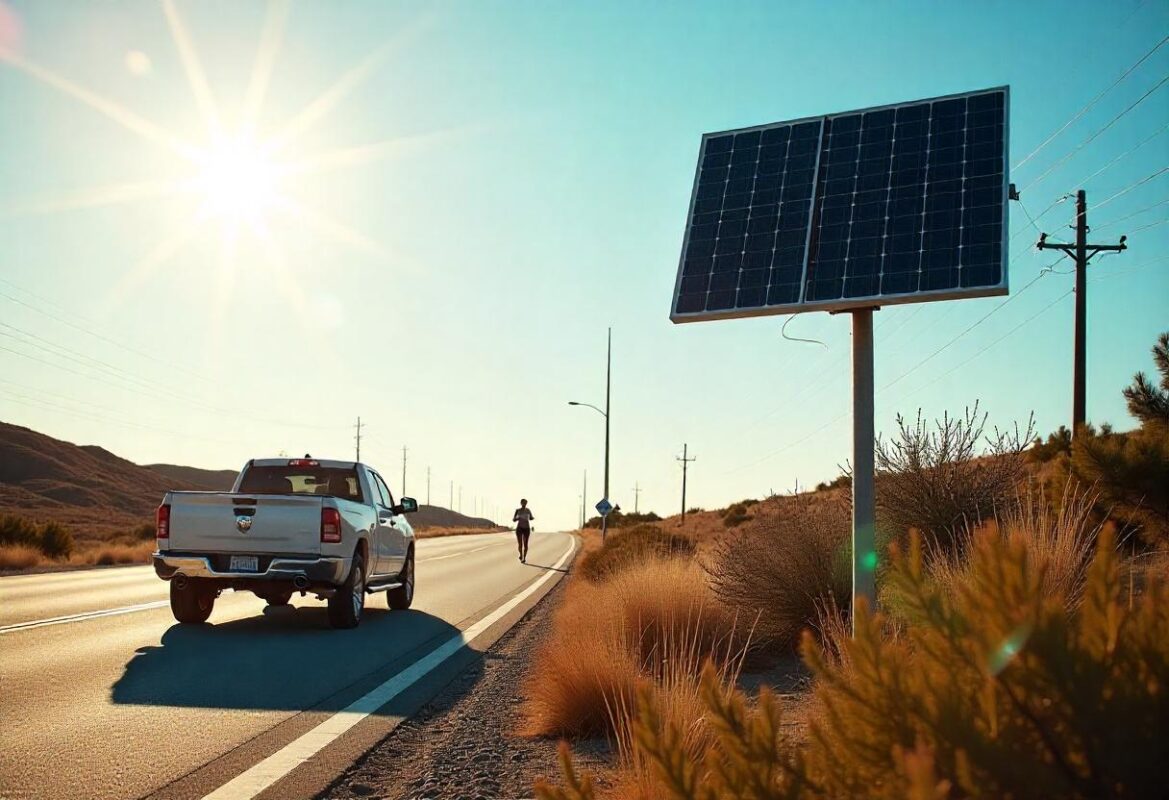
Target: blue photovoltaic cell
x=879 y=204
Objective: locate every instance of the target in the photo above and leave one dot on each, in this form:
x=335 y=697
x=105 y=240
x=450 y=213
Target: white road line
x=109 y=612
x=461 y=552
x=251 y=782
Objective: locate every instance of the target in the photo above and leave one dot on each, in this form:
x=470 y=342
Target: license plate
x=245 y=564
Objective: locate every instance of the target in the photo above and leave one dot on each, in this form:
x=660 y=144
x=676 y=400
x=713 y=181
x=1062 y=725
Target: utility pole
x=608 y=377
x=636 y=496
x=685 y=463
x=1081 y=253
x=403 y=470
x=428 y=486
x=451 y=504
x=357 y=438
x=460 y=499
x=584 y=501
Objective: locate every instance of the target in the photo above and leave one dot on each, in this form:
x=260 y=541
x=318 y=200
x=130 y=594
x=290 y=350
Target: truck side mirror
x=408 y=506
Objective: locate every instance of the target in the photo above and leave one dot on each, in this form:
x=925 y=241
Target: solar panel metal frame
x=843 y=304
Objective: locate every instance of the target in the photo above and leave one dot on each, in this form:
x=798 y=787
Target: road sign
x=604 y=507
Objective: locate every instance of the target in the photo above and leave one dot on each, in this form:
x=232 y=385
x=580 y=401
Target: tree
x=1147 y=402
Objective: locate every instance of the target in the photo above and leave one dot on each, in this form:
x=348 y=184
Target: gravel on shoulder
x=464 y=745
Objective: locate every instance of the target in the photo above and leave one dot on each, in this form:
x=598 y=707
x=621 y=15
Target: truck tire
x=279 y=599
x=193 y=603
x=400 y=599
x=346 y=605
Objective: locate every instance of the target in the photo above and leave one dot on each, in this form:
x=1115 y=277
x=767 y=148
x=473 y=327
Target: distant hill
x=211 y=480
x=436 y=517
x=97 y=494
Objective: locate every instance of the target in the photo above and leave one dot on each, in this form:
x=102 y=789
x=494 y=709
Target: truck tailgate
x=219 y=522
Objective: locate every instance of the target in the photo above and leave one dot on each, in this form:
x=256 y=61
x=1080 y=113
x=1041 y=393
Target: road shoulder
x=465 y=741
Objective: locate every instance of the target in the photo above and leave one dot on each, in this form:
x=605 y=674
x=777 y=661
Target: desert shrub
x=1060 y=536
x=997 y=690
x=55 y=540
x=735 y=515
x=621 y=519
x=839 y=482
x=779 y=570
x=144 y=532
x=695 y=510
x=937 y=480
x=626 y=546
x=653 y=621
x=1057 y=444
x=19 y=556
x=18 y=530
x=1130 y=474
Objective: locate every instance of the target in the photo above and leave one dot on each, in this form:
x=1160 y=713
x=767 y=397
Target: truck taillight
x=162 y=522
x=330 y=525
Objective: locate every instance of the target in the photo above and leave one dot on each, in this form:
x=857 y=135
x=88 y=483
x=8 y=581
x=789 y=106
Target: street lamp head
x=573 y=403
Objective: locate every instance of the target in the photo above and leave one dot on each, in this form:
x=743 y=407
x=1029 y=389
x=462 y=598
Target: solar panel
x=896 y=204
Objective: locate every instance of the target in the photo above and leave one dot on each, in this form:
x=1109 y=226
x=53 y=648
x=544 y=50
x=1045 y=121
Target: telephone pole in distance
x=357 y=439
x=1081 y=253
x=685 y=463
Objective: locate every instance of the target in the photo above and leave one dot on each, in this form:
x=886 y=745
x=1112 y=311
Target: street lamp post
x=605 y=414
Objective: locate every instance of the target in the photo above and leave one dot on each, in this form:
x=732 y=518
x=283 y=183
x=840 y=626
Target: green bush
x=56 y=541
x=625 y=546
x=1058 y=443
x=18 y=530
x=1130 y=474
x=619 y=519
x=998 y=690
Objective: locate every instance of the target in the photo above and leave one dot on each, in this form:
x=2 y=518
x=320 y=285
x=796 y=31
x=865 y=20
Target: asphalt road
x=129 y=703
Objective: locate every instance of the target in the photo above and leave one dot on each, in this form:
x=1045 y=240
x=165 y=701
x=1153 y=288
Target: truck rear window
x=321 y=481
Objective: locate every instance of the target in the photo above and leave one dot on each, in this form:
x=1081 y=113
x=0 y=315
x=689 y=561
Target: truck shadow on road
x=284 y=659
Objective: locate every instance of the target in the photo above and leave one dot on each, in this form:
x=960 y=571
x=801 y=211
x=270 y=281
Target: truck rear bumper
x=313 y=572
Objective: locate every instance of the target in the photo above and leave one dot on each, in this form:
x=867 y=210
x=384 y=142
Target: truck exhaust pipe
x=180 y=581
x=300 y=582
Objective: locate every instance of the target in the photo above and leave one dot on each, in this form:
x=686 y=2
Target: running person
x=523 y=529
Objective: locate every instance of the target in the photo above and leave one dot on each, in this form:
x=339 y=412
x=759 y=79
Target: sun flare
x=237 y=180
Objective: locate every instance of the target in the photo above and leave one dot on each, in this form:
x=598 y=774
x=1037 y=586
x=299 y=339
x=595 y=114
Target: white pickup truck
x=330 y=528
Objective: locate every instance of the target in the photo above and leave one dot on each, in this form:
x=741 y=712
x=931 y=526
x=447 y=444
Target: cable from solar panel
x=1095 y=135
x=1091 y=103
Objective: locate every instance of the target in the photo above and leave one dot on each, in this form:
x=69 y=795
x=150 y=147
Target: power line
x=1093 y=137
x=1092 y=103
x=1150 y=225
x=1132 y=186
x=1137 y=213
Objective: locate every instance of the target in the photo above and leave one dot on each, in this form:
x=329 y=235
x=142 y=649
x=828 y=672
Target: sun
x=237 y=180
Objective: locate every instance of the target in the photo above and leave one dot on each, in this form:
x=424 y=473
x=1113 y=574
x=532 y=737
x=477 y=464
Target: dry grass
x=784 y=567
x=19 y=557
x=1062 y=539
x=655 y=620
x=109 y=554
x=434 y=533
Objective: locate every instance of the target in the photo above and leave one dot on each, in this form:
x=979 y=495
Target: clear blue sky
x=528 y=188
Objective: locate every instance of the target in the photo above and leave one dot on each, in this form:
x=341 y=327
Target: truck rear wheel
x=191 y=604
x=278 y=599
x=346 y=605
x=400 y=599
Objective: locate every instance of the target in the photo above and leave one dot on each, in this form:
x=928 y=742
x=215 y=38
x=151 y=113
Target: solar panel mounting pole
x=864 y=555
